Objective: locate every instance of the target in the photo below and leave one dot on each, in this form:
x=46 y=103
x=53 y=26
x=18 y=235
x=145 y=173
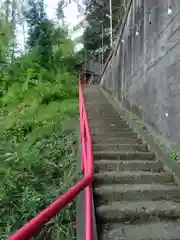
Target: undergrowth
x=38 y=153
x=38 y=119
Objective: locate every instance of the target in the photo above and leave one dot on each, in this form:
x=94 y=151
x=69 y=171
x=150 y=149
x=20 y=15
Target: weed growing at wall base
x=175 y=156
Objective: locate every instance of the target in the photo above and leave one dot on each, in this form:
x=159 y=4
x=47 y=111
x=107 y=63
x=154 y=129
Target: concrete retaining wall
x=144 y=72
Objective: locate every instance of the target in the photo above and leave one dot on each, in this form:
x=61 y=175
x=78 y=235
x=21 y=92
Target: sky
x=71 y=17
x=70 y=11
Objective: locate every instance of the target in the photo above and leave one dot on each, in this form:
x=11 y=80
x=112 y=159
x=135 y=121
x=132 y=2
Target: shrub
x=37 y=155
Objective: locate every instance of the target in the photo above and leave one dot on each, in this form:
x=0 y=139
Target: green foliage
x=59 y=11
x=34 y=176
x=5 y=38
x=174 y=155
x=96 y=16
x=34 y=17
x=38 y=111
x=37 y=154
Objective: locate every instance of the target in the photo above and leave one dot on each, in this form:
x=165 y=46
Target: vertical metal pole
x=122 y=76
x=124 y=4
x=102 y=48
x=85 y=64
x=145 y=39
x=132 y=39
x=99 y=70
x=145 y=46
x=113 y=74
x=111 y=27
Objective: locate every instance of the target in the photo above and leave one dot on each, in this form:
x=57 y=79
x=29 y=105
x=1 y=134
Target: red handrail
x=87 y=163
x=33 y=226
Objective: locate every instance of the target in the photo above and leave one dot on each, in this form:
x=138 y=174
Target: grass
x=38 y=155
x=174 y=155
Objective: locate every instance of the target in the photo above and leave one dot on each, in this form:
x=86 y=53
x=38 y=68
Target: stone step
x=89 y=101
x=102 y=104
x=111 y=134
x=91 y=98
x=123 y=155
x=121 y=136
x=107 y=113
x=97 y=116
x=140 y=210
x=108 y=131
x=116 y=140
x=135 y=165
x=110 y=122
x=120 y=147
x=96 y=109
x=95 y=99
x=100 y=110
x=98 y=121
x=110 y=126
x=106 y=120
x=135 y=192
x=155 y=230
x=112 y=119
x=101 y=101
x=130 y=177
x=119 y=133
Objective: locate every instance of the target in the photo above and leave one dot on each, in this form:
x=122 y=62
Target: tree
x=41 y=31
x=97 y=14
x=59 y=10
x=34 y=17
x=5 y=39
x=7 y=9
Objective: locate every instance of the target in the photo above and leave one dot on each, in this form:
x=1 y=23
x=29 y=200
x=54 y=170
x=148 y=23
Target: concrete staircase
x=135 y=199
